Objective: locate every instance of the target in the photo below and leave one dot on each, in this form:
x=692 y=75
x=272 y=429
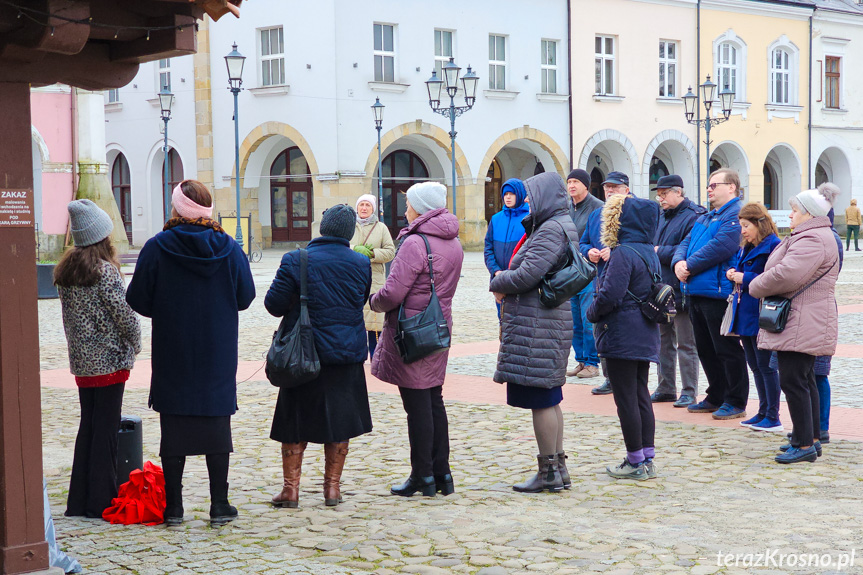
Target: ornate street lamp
x=378 y=110
x=450 y=81
x=166 y=100
x=690 y=106
x=234 y=62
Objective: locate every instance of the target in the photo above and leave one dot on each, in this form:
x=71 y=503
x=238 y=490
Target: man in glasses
x=592 y=248
x=700 y=263
x=677 y=342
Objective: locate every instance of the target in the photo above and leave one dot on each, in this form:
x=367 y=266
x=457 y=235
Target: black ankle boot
x=444 y=484
x=173 y=470
x=546 y=478
x=221 y=512
x=426 y=485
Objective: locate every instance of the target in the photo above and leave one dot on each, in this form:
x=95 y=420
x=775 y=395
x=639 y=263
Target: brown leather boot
x=292 y=464
x=334 y=462
x=564 y=472
x=547 y=477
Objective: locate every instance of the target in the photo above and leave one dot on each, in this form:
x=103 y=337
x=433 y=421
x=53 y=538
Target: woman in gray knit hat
x=103 y=336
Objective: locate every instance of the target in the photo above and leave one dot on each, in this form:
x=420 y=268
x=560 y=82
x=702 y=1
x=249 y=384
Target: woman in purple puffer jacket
x=420 y=383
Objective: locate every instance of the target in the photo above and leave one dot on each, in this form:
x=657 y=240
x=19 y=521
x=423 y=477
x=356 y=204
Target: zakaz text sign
x=16 y=208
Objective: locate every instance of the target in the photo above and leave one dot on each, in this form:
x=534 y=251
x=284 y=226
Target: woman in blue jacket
x=505 y=228
x=759 y=238
x=625 y=338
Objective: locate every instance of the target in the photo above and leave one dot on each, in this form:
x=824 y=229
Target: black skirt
x=195 y=435
x=331 y=409
x=532 y=397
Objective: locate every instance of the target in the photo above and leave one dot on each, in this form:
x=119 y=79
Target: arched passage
x=673 y=151
x=833 y=166
x=782 y=167
x=610 y=151
x=730 y=154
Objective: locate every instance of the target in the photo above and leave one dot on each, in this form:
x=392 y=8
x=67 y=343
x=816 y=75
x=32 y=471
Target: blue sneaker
x=752 y=420
x=767 y=424
x=729 y=412
x=702 y=407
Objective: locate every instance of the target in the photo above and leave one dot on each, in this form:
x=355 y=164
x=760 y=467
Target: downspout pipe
x=809 y=127
x=699 y=103
x=569 y=80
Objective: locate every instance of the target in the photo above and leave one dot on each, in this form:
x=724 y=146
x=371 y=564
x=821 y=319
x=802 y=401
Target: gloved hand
x=363 y=250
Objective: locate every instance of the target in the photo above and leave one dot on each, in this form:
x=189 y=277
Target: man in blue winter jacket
x=505 y=229
x=700 y=263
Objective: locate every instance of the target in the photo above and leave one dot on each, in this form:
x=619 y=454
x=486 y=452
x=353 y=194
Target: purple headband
x=188 y=208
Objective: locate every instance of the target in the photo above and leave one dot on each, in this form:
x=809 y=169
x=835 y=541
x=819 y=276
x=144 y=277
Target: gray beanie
x=90 y=224
x=427 y=196
x=339 y=222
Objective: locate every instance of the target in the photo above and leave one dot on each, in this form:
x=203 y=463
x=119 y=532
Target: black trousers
x=93 y=483
x=632 y=398
x=721 y=357
x=428 y=430
x=797 y=380
x=373 y=342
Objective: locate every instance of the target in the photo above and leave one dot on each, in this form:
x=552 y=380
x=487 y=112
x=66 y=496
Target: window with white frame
x=780 y=76
x=727 y=68
x=548 y=65
x=164 y=75
x=113 y=96
x=496 y=62
x=385 y=53
x=832 y=82
x=272 y=55
x=667 y=69
x=443 y=49
x=605 y=58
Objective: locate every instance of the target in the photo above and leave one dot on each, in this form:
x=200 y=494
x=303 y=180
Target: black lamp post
x=235 y=62
x=378 y=110
x=166 y=100
x=690 y=104
x=435 y=85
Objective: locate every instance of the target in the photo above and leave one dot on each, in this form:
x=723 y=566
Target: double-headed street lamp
x=690 y=104
x=435 y=85
x=378 y=110
x=235 y=62
x=166 y=100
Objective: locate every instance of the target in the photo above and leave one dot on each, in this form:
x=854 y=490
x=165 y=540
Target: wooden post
x=22 y=531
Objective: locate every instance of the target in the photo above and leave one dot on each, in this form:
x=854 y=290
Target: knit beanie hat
x=581 y=176
x=427 y=196
x=814 y=203
x=90 y=224
x=339 y=221
x=370 y=199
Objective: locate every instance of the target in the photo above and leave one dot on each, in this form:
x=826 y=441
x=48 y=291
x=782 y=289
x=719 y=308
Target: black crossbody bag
x=773 y=315
x=561 y=284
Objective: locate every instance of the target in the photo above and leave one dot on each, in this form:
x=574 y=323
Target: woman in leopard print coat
x=103 y=336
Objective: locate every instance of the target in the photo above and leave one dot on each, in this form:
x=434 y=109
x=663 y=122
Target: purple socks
x=636 y=457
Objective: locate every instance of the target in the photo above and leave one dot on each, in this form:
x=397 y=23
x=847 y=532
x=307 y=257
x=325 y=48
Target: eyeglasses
x=613 y=186
x=713 y=186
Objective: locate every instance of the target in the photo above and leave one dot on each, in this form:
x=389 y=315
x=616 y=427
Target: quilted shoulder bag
x=659 y=305
x=427 y=332
x=561 y=284
x=292 y=359
x=773 y=315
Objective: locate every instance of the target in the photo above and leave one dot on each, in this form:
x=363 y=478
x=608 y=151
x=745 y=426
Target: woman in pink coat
x=420 y=383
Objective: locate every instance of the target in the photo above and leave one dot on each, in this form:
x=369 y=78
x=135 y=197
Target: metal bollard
x=130 y=447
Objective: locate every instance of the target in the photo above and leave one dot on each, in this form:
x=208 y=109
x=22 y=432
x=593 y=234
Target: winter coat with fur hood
x=621 y=331
x=535 y=341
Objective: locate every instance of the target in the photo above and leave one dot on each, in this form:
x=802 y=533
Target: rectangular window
x=726 y=69
x=604 y=65
x=832 y=83
x=667 y=69
x=443 y=49
x=385 y=53
x=780 y=75
x=164 y=75
x=113 y=96
x=272 y=56
x=496 y=62
x=548 y=65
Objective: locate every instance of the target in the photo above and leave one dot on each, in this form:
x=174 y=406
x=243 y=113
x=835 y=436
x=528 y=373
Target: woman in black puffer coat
x=625 y=338
x=535 y=340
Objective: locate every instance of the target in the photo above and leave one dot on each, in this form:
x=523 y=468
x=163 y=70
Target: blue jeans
x=582 y=330
x=766 y=377
x=823 y=386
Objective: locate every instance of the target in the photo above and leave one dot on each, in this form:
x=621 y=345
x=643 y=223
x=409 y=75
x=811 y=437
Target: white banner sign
x=782 y=218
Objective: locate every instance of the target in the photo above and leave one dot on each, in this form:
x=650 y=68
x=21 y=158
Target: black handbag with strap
x=773 y=315
x=658 y=306
x=292 y=359
x=427 y=332
x=561 y=284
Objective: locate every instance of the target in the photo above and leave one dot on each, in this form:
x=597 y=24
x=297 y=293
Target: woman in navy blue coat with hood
x=627 y=339
x=505 y=229
x=192 y=279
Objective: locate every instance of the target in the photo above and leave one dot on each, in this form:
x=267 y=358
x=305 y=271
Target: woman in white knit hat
x=372 y=239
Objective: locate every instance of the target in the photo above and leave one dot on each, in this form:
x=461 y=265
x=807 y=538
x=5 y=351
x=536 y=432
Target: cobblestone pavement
x=718 y=490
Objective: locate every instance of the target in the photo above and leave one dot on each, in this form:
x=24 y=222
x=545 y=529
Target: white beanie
x=370 y=199
x=427 y=196
x=814 y=203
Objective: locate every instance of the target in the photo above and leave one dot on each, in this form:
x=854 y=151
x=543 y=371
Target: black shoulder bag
x=561 y=284
x=427 y=332
x=292 y=359
x=773 y=315
x=658 y=307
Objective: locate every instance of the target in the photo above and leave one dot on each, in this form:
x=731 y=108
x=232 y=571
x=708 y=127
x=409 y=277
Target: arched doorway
x=833 y=166
x=290 y=197
x=658 y=169
x=596 y=179
x=785 y=176
x=493 y=183
x=175 y=176
x=122 y=188
x=730 y=155
x=770 y=200
x=401 y=169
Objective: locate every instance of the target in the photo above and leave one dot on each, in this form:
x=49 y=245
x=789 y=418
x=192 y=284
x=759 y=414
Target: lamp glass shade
x=690 y=101
x=378 y=110
x=708 y=91
x=726 y=99
x=434 y=85
x=235 y=62
x=470 y=81
x=450 y=71
x=166 y=100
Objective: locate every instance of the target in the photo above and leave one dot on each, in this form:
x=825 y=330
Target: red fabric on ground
x=139 y=500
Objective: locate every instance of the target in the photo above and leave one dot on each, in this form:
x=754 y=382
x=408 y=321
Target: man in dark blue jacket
x=700 y=263
x=505 y=229
x=677 y=340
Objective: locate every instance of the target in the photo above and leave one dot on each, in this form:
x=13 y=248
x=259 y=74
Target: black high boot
x=173 y=470
x=221 y=512
x=546 y=479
